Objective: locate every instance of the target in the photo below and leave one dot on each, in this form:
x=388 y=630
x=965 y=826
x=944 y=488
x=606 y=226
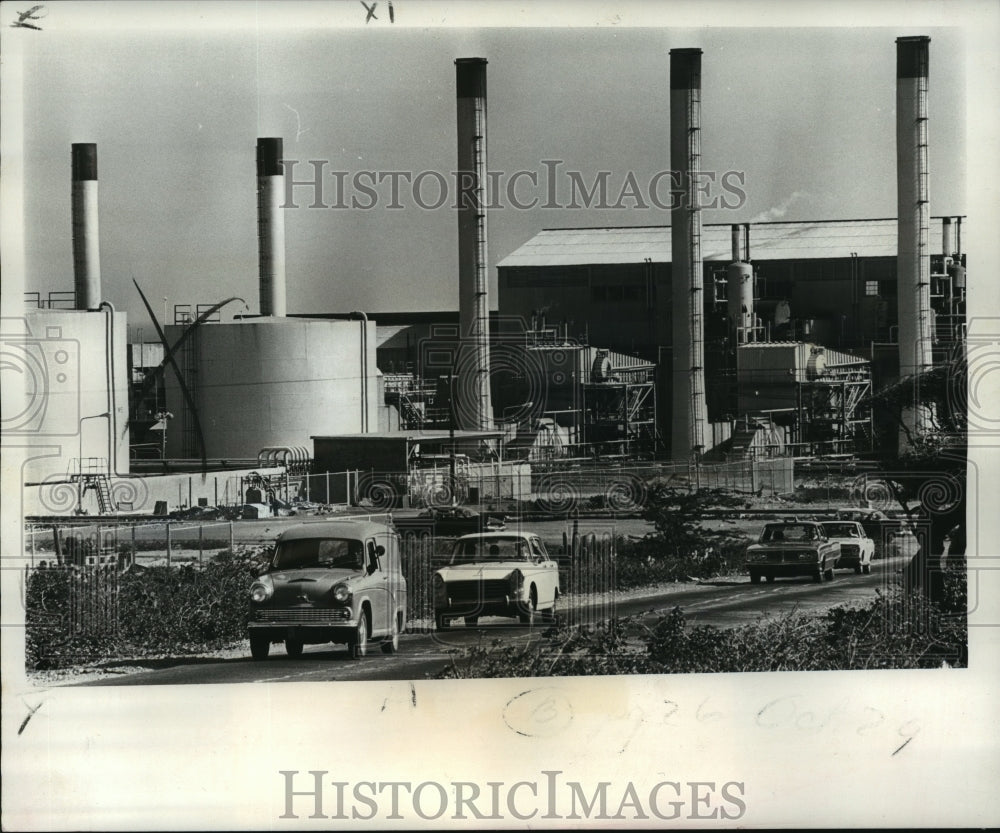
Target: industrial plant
x=689 y=343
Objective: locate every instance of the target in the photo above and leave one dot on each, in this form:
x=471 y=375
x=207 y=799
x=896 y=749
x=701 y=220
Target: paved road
x=718 y=602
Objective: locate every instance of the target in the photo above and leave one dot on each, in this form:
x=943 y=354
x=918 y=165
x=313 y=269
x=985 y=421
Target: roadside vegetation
x=893 y=631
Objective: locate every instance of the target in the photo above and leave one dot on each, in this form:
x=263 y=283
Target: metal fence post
x=169 y=546
x=201 y=542
x=232 y=540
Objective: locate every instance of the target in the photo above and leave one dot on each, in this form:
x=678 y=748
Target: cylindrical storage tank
x=271 y=226
x=739 y=288
x=957 y=272
x=689 y=414
x=473 y=406
x=272 y=382
x=86 y=232
x=816 y=364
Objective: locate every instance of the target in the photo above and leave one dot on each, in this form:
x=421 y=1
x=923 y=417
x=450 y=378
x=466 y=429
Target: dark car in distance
x=450 y=522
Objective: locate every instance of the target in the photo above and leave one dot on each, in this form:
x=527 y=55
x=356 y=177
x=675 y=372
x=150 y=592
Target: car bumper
x=794 y=569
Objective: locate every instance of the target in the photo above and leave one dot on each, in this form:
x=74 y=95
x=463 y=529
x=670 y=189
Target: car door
x=378 y=586
x=546 y=573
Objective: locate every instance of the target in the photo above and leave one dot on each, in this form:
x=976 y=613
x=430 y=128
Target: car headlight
x=341 y=593
x=807 y=556
x=516 y=584
x=262 y=589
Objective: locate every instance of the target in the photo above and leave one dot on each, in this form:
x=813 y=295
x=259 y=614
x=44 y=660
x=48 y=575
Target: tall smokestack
x=947 y=240
x=473 y=406
x=271 y=226
x=913 y=212
x=86 y=234
x=689 y=408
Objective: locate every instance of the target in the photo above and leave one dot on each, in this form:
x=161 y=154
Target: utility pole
x=451 y=432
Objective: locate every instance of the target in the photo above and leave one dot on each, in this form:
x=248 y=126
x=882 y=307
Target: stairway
x=741 y=441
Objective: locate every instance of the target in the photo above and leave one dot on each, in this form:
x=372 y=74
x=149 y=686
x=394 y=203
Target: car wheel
x=471 y=621
x=754 y=577
x=441 y=622
x=819 y=575
x=358 y=646
x=829 y=573
x=528 y=617
x=770 y=578
x=391 y=645
x=858 y=568
x=866 y=569
x=293 y=647
x=259 y=646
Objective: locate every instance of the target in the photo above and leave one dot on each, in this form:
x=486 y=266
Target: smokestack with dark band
x=271 y=226
x=473 y=406
x=86 y=235
x=913 y=212
x=689 y=406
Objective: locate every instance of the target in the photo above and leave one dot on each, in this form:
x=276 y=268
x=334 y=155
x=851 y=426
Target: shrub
x=892 y=631
x=138 y=612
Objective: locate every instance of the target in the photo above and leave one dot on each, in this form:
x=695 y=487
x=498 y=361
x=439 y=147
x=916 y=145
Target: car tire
x=391 y=645
x=471 y=621
x=260 y=646
x=770 y=578
x=828 y=573
x=820 y=573
x=866 y=569
x=293 y=647
x=441 y=622
x=754 y=577
x=358 y=646
x=527 y=617
x=858 y=569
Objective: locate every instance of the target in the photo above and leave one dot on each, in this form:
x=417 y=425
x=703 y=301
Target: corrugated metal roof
x=768 y=241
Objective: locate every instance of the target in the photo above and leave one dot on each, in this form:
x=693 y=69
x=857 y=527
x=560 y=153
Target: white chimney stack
x=271 y=226
x=86 y=233
x=690 y=420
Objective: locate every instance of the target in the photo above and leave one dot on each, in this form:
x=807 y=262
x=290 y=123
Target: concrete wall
x=272 y=382
x=74 y=370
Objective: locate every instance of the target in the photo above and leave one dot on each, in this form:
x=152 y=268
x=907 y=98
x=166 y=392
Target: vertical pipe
x=86 y=235
x=689 y=406
x=913 y=209
x=947 y=239
x=271 y=226
x=737 y=235
x=475 y=410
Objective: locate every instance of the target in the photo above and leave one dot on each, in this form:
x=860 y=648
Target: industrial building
x=687 y=341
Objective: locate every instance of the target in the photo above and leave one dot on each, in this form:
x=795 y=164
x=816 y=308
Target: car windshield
x=834 y=530
x=788 y=532
x=491 y=549
x=345 y=553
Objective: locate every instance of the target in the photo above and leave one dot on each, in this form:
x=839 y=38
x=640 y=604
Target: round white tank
x=272 y=382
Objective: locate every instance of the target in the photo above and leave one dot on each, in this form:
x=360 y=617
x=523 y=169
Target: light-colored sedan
x=496 y=574
x=856 y=548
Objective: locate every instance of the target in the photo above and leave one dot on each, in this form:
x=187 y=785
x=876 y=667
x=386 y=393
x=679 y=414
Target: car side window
x=370 y=557
x=536 y=550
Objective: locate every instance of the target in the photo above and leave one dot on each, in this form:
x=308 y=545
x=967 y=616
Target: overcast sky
x=175 y=106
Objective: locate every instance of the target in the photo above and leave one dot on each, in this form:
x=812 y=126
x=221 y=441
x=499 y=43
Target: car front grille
x=849 y=549
x=307 y=615
x=476 y=591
